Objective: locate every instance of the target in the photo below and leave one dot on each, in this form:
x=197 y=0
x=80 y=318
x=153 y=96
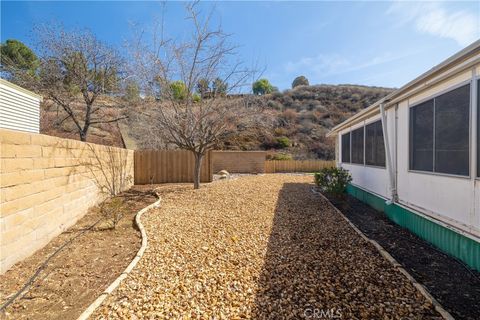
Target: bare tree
x=110 y=169
x=168 y=67
x=75 y=70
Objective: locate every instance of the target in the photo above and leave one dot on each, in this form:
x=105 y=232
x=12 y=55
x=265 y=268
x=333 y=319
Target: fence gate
x=169 y=166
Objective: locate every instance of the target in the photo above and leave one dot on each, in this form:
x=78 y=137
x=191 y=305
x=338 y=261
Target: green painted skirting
x=449 y=241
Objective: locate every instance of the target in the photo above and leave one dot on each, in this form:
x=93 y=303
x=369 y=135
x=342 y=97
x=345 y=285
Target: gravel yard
x=259 y=247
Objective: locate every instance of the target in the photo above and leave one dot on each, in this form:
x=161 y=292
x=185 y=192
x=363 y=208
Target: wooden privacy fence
x=273 y=166
x=173 y=166
x=164 y=166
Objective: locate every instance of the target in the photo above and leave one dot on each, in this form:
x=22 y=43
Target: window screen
x=357 y=145
x=421 y=136
x=452 y=113
x=439 y=133
x=346 y=148
x=374 y=145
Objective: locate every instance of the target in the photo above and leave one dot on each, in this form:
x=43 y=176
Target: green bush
x=283 y=142
x=333 y=180
x=196 y=97
x=281 y=156
x=262 y=86
x=178 y=90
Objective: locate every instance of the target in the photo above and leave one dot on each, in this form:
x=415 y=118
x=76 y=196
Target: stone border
x=95 y=304
x=438 y=307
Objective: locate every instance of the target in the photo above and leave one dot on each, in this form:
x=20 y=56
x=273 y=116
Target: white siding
x=447 y=198
x=450 y=199
x=374 y=179
x=19 y=109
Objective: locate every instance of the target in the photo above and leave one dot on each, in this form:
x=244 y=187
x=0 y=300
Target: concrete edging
x=98 y=302
x=438 y=307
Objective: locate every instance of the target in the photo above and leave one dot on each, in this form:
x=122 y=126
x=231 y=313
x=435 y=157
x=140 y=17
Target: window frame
x=364 y=164
x=351 y=144
x=475 y=99
x=349 y=147
x=433 y=96
x=365 y=144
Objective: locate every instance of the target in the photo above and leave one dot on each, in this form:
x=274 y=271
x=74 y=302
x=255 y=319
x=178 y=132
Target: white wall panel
x=19 y=109
x=453 y=200
x=448 y=198
x=371 y=178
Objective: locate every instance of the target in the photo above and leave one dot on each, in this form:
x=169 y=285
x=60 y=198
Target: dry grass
x=258 y=247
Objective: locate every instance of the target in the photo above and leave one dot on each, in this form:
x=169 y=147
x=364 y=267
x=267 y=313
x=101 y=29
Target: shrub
x=283 y=142
x=281 y=156
x=280 y=131
x=113 y=211
x=333 y=180
x=196 y=97
x=132 y=92
x=300 y=81
x=262 y=86
x=178 y=90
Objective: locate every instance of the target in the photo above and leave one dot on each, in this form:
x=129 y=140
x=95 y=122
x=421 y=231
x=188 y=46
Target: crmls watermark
x=314 y=313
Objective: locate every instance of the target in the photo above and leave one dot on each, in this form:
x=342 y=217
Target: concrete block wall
x=46 y=185
x=239 y=161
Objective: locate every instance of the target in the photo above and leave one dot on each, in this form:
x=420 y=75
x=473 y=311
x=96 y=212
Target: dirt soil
x=453 y=284
x=81 y=271
x=258 y=247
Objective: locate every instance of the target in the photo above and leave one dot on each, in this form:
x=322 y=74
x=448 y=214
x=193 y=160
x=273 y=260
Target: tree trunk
x=83 y=136
x=197 y=171
x=84 y=131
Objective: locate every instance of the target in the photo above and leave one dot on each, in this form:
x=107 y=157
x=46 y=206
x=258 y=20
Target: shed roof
x=18 y=88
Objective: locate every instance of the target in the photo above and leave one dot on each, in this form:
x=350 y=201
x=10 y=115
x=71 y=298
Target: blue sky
x=371 y=43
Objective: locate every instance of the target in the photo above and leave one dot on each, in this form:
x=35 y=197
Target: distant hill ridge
x=298 y=120
x=304 y=115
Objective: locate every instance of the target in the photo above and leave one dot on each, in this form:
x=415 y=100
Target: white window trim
x=350 y=130
x=433 y=96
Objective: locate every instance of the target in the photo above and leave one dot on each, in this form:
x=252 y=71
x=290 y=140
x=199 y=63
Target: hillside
x=51 y=122
x=302 y=116
x=296 y=121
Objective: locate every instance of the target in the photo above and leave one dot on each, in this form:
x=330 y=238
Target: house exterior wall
x=372 y=178
x=46 y=185
x=450 y=199
x=446 y=203
x=19 y=108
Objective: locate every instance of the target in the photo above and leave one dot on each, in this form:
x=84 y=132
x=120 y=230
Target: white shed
x=415 y=155
x=19 y=108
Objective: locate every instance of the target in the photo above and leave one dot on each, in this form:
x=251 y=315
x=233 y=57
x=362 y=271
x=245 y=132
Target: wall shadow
x=316 y=266
x=299 y=257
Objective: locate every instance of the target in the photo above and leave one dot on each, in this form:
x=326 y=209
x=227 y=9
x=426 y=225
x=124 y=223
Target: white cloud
x=436 y=19
x=324 y=65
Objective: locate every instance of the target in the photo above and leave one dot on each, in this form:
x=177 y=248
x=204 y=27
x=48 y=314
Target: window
x=346 y=148
x=478 y=128
x=421 y=137
x=357 y=145
x=374 y=144
x=439 y=133
x=452 y=123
